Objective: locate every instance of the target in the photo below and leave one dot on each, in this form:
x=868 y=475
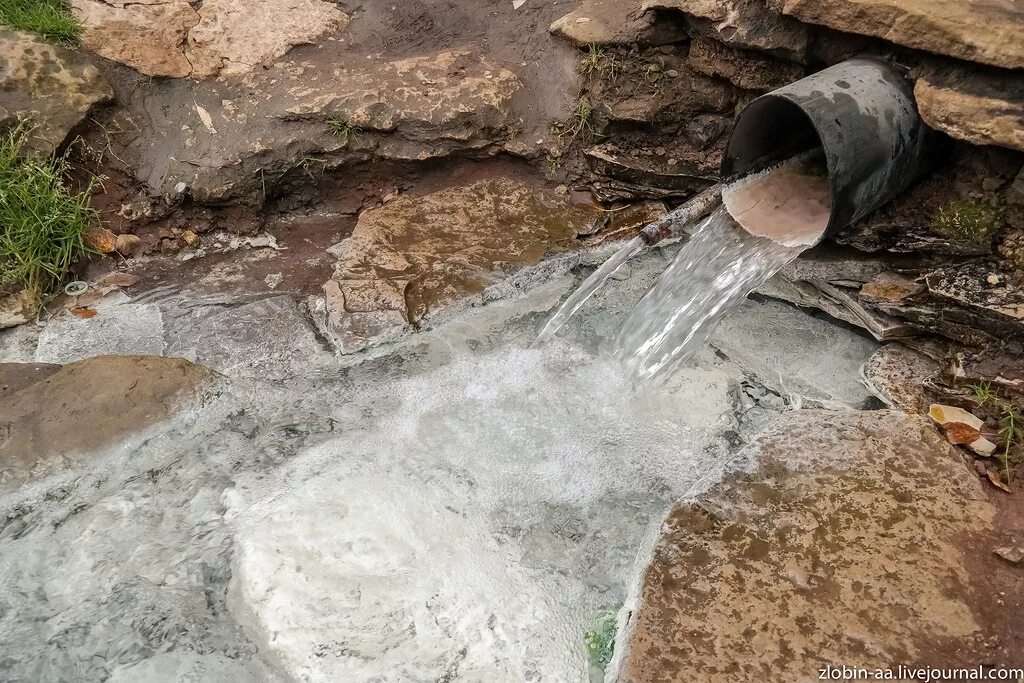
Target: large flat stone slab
x=219 y=36
x=53 y=87
x=297 y=118
x=986 y=31
x=415 y=255
x=62 y=417
x=842 y=543
x=981 y=107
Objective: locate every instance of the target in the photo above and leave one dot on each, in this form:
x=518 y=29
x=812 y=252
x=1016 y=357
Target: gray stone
x=266 y=339
x=116 y=329
x=796 y=354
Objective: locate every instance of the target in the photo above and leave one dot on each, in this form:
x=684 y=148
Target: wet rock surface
x=52 y=417
x=54 y=88
x=415 y=255
x=812 y=554
x=298 y=120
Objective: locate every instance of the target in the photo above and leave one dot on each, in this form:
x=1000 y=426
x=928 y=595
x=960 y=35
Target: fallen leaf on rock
x=993 y=477
x=83 y=312
x=127 y=244
x=190 y=238
x=1013 y=554
x=116 y=279
x=959 y=433
x=101 y=240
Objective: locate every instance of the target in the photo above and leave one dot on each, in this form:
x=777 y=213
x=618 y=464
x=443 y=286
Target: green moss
x=42 y=223
x=600 y=641
x=49 y=19
x=965 y=219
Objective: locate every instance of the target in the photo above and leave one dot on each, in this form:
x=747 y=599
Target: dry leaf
x=959 y=434
x=116 y=279
x=101 y=239
x=83 y=312
x=127 y=244
x=993 y=477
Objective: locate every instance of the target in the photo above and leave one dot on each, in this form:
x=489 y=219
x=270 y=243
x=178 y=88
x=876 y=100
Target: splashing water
x=711 y=275
x=589 y=286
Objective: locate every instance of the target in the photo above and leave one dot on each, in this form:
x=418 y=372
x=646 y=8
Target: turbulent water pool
x=459 y=507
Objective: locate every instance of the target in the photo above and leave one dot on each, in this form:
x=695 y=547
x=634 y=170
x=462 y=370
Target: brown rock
x=742 y=23
x=233 y=36
x=59 y=420
x=813 y=556
x=147 y=37
x=615 y=22
x=174 y=39
x=101 y=240
x=743 y=68
x=980 y=107
x=409 y=109
x=53 y=87
x=986 y=31
x=414 y=255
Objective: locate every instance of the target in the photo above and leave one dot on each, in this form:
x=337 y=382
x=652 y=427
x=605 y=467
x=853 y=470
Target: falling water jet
x=669 y=226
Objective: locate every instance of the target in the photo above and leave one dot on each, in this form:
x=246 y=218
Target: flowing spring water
x=711 y=275
x=458 y=509
x=589 y=286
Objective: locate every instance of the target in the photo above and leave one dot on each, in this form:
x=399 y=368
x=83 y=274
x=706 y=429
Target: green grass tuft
x=341 y=128
x=42 y=223
x=965 y=219
x=48 y=19
x=600 y=641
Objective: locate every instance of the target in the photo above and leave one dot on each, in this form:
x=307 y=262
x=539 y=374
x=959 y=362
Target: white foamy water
x=710 y=276
x=454 y=515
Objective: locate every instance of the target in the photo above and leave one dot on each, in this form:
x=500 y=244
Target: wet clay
x=789 y=203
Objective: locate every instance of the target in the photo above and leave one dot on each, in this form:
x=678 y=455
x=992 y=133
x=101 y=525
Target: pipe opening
x=780 y=187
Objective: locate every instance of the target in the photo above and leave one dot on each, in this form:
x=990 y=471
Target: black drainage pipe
x=861 y=113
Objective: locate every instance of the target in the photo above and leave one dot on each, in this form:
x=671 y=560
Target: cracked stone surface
x=415 y=255
x=178 y=38
x=51 y=86
x=814 y=554
x=234 y=142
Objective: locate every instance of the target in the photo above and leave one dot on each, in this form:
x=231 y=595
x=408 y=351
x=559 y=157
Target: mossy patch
x=968 y=220
x=48 y=19
x=600 y=640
